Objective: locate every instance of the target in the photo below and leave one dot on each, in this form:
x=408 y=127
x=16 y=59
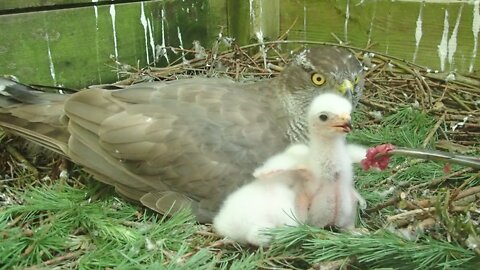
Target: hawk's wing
x=157 y=142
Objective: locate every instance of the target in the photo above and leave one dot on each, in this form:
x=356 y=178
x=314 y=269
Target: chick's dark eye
x=323 y=117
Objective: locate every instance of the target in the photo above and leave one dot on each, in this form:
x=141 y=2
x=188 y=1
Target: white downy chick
x=264 y=203
x=295 y=157
x=312 y=184
x=328 y=195
x=334 y=198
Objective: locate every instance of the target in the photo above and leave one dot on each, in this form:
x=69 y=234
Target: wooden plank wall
x=76 y=47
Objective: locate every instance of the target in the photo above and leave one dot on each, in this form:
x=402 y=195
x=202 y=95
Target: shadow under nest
x=404 y=104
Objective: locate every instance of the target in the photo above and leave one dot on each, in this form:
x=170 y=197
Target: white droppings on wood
x=418 y=31
x=256 y=15
x=475 y=30
x=251 y=12
x=443 y=46
x=115 y=43
x=259 y=35
x=370 y=30
x=95 y=9
x=162 y=50
x=452 y=43
x=180 y=41
x=261 y=9
x=143 y=21
x=372 y=21
x=50 y=60
x=152 y=40
x=347 y=18
x=304 y=20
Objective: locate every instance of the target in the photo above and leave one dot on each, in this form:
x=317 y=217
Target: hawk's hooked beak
x=346 y=89
x=343 y=123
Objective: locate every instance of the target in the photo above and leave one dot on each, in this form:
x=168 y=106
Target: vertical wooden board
x=188 y=25
x=238 y=15
x=247 y=19
x=179 y=24
x=217 y=18
x=123 y=30
x=315 y=21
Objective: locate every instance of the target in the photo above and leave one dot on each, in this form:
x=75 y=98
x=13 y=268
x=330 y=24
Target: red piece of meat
x=377 y=157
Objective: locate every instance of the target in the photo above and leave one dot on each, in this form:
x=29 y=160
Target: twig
x=453 y=198
x=249 y=58
x=409 y=214
x=433 y=131
x=15 y=221
x=285 y=34
x=405 y=217
x=56 y=260
x=438 y=181
x=392 y=201
x=456 y=191
x=468 y=192
x=376 y=105
x=459 y=101
x=429 y=90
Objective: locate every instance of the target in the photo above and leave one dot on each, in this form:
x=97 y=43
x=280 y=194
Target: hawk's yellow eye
x=318 y=79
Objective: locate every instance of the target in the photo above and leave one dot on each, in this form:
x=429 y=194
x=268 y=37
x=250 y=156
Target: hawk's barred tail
x=34 y=115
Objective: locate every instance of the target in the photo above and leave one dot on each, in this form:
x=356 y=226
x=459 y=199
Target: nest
x=443 y=205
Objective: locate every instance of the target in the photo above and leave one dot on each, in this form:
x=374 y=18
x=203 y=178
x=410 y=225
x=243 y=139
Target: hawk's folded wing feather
x=199 y=140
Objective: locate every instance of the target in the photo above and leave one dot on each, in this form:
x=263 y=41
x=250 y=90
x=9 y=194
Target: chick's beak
x=346 y=88
x=343 y=123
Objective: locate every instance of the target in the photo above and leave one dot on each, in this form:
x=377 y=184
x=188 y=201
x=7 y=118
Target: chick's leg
x=322 y=211
x=302 y=204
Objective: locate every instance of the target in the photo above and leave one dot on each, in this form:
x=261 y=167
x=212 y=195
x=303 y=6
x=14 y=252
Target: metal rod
x=436 y=155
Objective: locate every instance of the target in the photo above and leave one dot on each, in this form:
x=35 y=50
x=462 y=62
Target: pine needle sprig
x=375 y=250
